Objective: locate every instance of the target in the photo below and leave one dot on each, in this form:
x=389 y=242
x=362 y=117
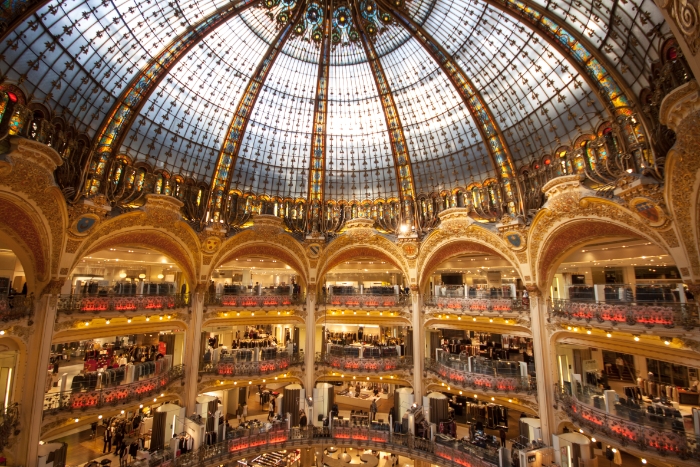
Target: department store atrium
x=296 y=233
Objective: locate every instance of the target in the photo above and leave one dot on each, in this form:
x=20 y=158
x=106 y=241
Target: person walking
x=107 y=437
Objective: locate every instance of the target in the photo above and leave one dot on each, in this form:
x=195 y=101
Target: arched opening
x=126 y=270
x=15 y=298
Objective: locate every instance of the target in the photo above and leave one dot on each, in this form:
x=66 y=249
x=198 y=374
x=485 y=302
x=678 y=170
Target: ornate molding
x=682 y=101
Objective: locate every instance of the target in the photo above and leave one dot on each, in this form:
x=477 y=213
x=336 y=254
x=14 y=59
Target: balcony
x=232 y=367
x=356 y=299
x=378 y=364
x=16 y=307
x=249 y=444
x=97 y=304
x=92 y=397
x=648 y=314
x=457 y=375
x=460 y=305
x=632 y=425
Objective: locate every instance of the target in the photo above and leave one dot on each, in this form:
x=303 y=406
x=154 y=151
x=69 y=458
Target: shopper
x=503 y=437
x=372 y=410
x=108 y=441
x=302 y=419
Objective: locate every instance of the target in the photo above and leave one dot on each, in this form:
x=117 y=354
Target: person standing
x=503 y=437
x=107 y=438
x=302 y=419
x=372 y=410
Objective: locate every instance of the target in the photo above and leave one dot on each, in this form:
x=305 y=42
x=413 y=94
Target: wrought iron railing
x=367 y=300
x=634 y=427
x=233 y=368
x=250 y=443
x=463 y=379
x=254 y=301
x=122 y=303
x=649 y=314
x=16 y=307
x=364 y=365
x=55 y=402
x=477 y=305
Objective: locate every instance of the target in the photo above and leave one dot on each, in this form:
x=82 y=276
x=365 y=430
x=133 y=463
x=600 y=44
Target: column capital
x=534 y=291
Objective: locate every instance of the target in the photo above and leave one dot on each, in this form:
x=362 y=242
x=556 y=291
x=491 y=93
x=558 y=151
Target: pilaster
x=418 y=342
x=309 y=345
x=544 y=362
x=193 y=336
x=32 y=402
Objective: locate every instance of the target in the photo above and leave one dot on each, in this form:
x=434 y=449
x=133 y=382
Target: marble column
x=193 y=336
x=418 y=342
x=309 y=349
x=544 y=362
x=32 y=401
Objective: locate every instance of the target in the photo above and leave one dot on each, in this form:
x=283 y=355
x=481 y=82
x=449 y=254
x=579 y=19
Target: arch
x=264 y=249
x=360 y=242
x=15 y=343
x=23 y=233
x=457 y=247
x=459 y=236
x=146 y=237
x=81 y=332
x=263 y=239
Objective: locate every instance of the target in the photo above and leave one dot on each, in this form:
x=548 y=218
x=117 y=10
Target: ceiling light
x=636 y=338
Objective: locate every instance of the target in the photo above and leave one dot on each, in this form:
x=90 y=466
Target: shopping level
x=322 y=438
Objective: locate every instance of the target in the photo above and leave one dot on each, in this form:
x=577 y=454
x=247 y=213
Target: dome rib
x=317 y=169
x=490 y=132
x=397 y=139
x=611 y=89
x=226 y=161
x=123 y=113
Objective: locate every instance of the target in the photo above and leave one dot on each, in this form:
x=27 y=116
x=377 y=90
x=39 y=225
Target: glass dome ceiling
x=165 y=80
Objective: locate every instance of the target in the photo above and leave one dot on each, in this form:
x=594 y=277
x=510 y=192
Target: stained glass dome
x=335 y=100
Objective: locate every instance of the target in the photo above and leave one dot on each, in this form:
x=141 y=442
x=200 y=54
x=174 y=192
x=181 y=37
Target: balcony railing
x=254 y=301
x=367 y=300
x=16 y=307
x=649 y=314
x=463 y=379
x=232 y=368
x=634 y=427
x=121 y=303
x=364 y=365
x=83 y=400
x=477 y=305
x=250 y=443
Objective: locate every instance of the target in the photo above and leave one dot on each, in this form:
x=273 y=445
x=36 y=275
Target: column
x=544 y=362
x=193 y=336
x=418 y=343
x=38 y=351
x=309 y=349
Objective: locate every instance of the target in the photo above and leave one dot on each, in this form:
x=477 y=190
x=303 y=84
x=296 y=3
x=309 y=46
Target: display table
x=688 y=397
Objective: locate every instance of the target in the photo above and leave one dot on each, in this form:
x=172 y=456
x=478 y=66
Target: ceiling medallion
x=345 y=14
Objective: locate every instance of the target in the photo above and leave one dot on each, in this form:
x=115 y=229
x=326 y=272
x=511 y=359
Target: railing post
x=38 y=351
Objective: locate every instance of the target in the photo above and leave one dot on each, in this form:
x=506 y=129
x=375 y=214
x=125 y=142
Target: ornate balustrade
x=635 y=430
x=248 y=444
x=83 y=400
x=462 y=379
x=475 y=305
x=233 y=368
x=16 y=307
x=254 y=301
x=369 y=365
x=649 y=314
x=121 y=303
x=367 y=300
